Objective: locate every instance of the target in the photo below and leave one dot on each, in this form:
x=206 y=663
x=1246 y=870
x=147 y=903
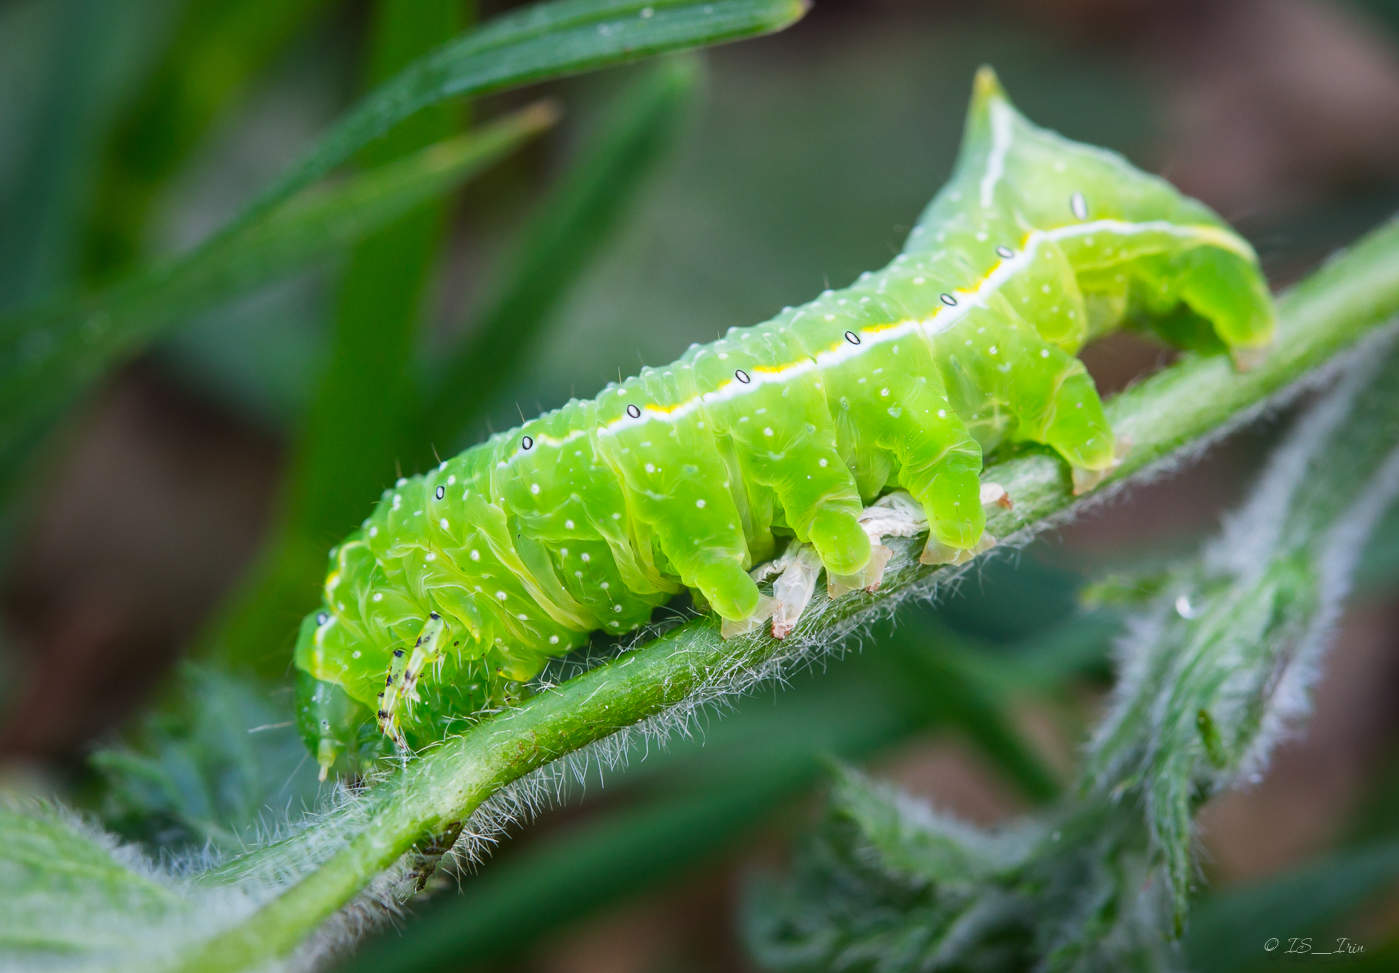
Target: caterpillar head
x=333 y=725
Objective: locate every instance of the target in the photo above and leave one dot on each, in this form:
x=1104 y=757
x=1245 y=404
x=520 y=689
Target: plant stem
x=1163 y=418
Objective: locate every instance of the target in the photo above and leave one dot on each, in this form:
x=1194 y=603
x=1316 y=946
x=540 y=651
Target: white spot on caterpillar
x=701 y=504
x=429 y=556
x=443 y=523
x=568 y=524
x=948 y=299
x=553 y=640
x=500 y=595
x=440 y=492
x=374 y=532
x=534 y=489
x=475 y=554
x=1078 y=206
x=378 y=596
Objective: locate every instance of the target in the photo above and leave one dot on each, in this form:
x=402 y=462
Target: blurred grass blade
x=547 y=40
x=963 y=697
x=568 y=877
x=216 y=54
x=1229 y=930
x=334 y=477
x=566 y=236
x=42 y=205
x=46 y=355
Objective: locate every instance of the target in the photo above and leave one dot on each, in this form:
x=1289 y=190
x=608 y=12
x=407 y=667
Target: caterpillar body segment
x=466 y=579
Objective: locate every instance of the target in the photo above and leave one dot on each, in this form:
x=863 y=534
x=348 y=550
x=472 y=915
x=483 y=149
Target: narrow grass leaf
x=212 y=59
x=368 y=383
x=547 y=40
x=46 y=356
x=1230 y=930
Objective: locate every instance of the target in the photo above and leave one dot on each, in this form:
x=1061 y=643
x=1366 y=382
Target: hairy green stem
x=1165 y=416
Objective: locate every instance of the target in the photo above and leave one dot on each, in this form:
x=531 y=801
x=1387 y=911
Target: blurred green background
x=185 y=508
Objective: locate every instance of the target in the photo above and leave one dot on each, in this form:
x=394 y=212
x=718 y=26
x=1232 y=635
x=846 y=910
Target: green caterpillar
x=466 y=579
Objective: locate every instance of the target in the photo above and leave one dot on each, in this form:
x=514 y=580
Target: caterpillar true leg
x=401 y=682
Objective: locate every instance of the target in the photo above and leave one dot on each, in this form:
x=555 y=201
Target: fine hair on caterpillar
x=780 y=453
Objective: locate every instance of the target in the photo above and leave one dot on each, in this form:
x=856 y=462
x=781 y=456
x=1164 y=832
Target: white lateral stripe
x=939 y=320
x=1000 y=145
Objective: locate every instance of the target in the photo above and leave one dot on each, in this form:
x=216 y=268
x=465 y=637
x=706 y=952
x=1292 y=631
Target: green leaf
x=86 y=41
x=69 y=897
x=547 y=40
x=46 y=355
x=206 y=772
x=215 y=55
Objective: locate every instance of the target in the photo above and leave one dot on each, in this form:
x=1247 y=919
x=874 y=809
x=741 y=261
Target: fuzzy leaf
x=207 y=771
x=70 y=897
